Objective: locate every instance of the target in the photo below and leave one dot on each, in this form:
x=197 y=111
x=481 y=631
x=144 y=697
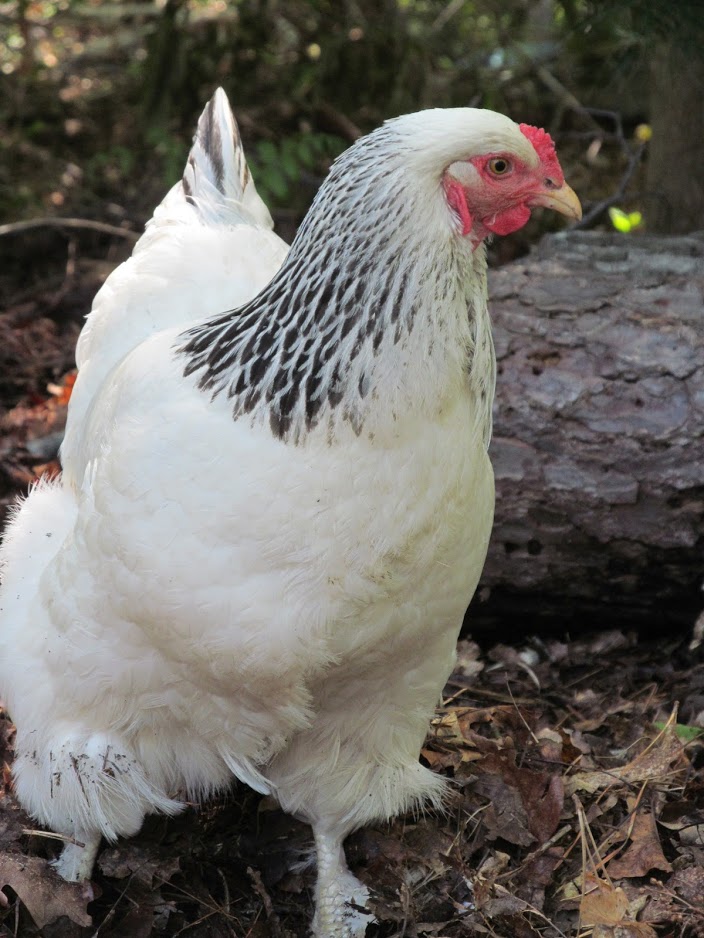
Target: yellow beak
x=563 y=200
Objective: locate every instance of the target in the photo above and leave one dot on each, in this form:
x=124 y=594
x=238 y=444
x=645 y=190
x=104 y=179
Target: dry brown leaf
x=524 y=805
x=644 y=852
x=490 y=897
x=624 y=930
x=144 y=864
x=679 y=898
x=663 y=756
x=439 y=760
x=658 y=759
x=551 y=745
x=446 y=729
x=45 y=895
x=685 y=818
x=505 y=815
x=608 y=911
x=501 y=902
x=63 y=390
x=605 y=905
x=689 y=885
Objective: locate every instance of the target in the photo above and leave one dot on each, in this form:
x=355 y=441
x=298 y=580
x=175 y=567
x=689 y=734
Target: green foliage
x=686 y=733
x=115 y=86
x=111 y=165
x=278 y=168
x=171 y=149
x=625 y=222
x=640 y=20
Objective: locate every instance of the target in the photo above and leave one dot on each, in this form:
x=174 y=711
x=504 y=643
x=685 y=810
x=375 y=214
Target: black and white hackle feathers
x=348 y=293
x=270 y=520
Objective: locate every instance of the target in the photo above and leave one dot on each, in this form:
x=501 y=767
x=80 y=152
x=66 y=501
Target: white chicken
x=271 y=520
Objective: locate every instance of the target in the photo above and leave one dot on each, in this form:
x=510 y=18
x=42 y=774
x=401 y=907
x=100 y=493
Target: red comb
x=545 y=148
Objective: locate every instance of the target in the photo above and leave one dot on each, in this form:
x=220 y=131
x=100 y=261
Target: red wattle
x=510 y=220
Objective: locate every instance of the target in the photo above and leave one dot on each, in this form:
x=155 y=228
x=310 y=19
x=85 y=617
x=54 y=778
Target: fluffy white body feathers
x=269 y=526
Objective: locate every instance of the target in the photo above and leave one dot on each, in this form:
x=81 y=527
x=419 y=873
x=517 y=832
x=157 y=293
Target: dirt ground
x=578 y=799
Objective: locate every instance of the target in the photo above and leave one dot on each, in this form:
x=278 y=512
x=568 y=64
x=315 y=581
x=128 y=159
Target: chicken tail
x=217 y=180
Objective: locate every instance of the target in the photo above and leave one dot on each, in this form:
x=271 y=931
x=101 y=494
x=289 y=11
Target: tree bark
x=598 y=443
x=675 y=200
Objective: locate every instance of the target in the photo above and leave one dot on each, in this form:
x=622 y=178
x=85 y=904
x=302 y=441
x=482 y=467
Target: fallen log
x=598 y=442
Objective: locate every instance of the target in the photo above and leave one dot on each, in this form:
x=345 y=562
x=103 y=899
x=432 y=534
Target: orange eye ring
x=499 y=166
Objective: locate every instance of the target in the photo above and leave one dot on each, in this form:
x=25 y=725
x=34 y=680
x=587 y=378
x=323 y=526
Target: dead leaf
x=660 y=760
x=45 y=895
x=605 y=905
x=62 y=391
x=492 y=898
x=538 y=873
x=501 y=903
x=505 y=815
x=685 y=818
x=680 y=897
x=524 y=805
x=144 y=865
x=441 y=760
x=644 y=852
x=624 y=930
x=689 y=885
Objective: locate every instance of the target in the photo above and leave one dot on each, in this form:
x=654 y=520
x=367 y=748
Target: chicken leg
x=340 y=898
x=76 y=862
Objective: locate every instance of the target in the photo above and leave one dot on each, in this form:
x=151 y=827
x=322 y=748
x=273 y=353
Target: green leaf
x=275 y=182
x=267 y=153
x=685 y=733
x=624 y=221
x=306 y=151
x=619 y=220
x=290 y=163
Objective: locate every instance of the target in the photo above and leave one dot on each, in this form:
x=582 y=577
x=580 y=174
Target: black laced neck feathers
x=296 y=348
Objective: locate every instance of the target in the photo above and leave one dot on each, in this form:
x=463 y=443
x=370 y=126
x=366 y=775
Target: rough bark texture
x=675 y=197
x=598 y=445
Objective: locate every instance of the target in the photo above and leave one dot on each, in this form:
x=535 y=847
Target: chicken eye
x=498 y=166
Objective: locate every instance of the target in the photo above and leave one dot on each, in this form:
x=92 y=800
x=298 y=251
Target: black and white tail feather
x=216 y=180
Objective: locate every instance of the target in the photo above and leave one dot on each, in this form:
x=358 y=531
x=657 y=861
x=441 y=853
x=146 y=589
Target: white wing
x=208 y=248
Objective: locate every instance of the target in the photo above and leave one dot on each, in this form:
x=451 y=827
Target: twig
x=596 y=210
x=568 y=100
x=86 y=223
x=273 y=919
x=339 y=122
x=633 y=155
x=444 y=17
x=515 y=705
x=112 y=910
x=50 y=835
x=538 y=852
x=208 y=903
x=563 y=94
x=451 y=699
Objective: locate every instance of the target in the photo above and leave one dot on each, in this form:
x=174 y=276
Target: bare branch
x=86 y=223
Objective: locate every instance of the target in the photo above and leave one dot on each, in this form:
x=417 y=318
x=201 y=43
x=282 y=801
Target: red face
x=495 y=192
